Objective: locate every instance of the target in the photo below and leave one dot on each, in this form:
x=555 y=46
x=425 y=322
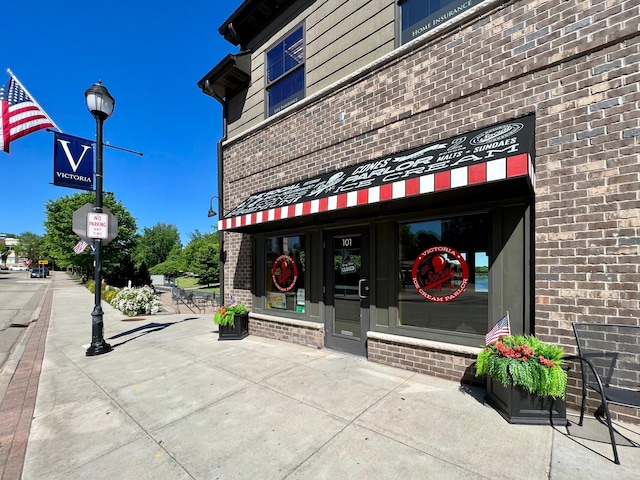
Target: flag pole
x=33 y=99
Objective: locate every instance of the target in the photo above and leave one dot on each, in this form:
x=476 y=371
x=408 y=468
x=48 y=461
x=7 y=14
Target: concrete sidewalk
x=172 y=402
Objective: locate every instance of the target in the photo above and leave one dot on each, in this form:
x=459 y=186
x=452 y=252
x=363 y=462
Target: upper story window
x=420 y=16
x=285 y=72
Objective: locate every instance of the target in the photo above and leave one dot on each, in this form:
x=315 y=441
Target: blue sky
x=150 y=55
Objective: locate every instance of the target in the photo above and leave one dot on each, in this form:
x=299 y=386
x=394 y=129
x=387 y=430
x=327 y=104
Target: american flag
x=20 y=115
x=500 y=329
x=234 y=302
x=80 y=247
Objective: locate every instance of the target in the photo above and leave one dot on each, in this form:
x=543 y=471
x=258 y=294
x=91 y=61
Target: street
x=20 y=296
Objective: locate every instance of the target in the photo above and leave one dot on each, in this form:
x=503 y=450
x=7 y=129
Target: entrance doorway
x=347 y=290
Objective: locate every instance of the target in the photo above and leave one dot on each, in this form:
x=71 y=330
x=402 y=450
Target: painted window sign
x=284 y=273
x=348 y=266
x=440 y=274
x=420 y=16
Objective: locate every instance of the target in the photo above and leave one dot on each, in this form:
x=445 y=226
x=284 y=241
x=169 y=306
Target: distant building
x=11 y=256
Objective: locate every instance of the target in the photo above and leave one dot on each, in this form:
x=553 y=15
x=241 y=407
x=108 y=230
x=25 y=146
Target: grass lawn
x=191 y=283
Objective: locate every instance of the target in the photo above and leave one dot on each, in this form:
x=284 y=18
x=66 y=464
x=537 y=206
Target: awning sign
x=498 y=152
x=72 y=162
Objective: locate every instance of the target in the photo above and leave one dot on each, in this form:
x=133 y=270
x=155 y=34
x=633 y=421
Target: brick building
x=395 y=176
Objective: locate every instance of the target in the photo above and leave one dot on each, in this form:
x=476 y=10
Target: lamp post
x=223 y=254
x=100 y=103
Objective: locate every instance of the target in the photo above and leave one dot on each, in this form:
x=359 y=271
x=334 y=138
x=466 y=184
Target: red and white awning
x=492 y=154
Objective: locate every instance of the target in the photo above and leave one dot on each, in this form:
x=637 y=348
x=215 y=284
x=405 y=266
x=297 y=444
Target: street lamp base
x=98 y=349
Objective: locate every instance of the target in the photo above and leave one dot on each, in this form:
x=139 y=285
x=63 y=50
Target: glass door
x=347 y=291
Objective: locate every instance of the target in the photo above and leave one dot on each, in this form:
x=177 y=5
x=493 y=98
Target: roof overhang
x=250 y=19
x=492 y=154
x=228 y=77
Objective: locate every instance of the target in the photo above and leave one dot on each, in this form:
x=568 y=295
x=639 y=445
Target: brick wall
x=576 y=65
x=456 y=367
x=310 y=337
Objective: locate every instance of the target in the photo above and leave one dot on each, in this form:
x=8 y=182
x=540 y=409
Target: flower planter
x=238 y=331
x=518 y=406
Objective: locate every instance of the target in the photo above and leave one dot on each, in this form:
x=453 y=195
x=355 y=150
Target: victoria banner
x=72 y=162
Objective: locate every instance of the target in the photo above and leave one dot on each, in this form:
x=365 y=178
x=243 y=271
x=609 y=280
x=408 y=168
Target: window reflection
x=285 y=272
x=444 y=274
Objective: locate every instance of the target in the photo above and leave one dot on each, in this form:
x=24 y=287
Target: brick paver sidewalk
x=18 y=404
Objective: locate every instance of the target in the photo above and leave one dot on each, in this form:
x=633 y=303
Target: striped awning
x=491 y=154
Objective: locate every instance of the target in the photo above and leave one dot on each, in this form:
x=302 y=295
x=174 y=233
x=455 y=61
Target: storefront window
x=444 y=274
x=285 y=269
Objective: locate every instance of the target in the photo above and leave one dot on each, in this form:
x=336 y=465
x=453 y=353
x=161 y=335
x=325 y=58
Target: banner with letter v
x=72 y=162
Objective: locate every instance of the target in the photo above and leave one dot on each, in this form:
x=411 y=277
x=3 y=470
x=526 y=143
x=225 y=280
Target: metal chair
x=609 y=357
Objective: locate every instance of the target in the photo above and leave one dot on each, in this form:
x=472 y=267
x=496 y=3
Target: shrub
x=108 y=295
x=136 y=301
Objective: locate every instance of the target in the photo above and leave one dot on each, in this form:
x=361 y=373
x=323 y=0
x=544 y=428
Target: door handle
x=363 y=288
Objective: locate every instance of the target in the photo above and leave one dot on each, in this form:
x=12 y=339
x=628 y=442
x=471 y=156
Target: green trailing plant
x=525 y=361
x=225 y=315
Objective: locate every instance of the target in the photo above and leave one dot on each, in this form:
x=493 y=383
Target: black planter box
x=237 y=331
x=518 y=406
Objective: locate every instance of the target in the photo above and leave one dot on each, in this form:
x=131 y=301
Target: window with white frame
x=419 y=16
x=285 y=72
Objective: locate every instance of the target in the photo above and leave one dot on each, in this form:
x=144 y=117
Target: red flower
x=546 y=362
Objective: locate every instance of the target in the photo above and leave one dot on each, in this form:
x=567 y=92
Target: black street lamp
x=100 y=103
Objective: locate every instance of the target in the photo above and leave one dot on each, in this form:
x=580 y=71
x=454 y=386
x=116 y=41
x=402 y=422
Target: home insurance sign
x=72 y=162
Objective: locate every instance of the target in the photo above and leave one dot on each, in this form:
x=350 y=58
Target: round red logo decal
x=284 y=273
x=440 y=274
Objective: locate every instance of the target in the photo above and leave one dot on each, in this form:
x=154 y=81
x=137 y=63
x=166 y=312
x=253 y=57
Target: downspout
x=223 y=253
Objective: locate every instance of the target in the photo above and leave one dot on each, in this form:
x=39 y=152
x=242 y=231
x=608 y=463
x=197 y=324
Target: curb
x=19 y=388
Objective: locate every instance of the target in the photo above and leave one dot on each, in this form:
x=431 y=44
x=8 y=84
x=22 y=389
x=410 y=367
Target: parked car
x=18 y=268
x=39 y=272
x=2 y=267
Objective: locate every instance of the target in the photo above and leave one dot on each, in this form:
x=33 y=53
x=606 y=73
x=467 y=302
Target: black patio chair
x=609 y=356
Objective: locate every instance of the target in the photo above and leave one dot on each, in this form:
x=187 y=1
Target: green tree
x=202 y=257
x=172 y=266
x=156 y=243
x=30 y=245
x=4 y=252
x=59 y=238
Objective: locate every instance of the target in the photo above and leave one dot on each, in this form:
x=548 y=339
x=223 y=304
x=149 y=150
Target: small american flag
x=234 y=302
x=80 y=247
x=500 y=329
x=20 y=115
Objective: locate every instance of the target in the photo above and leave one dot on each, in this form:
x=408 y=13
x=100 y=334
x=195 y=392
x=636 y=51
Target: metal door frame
x=338 y=342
